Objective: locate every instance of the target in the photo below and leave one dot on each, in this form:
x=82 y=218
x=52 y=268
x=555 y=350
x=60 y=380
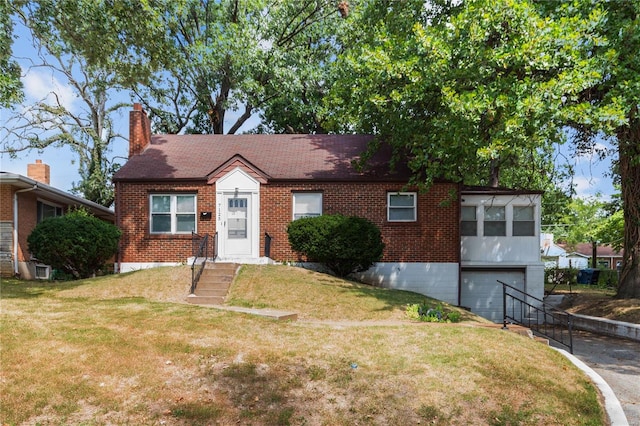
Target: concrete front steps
x=214 y=284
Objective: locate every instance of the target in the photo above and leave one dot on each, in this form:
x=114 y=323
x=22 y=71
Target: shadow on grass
x=393 y=299
x=13 y=288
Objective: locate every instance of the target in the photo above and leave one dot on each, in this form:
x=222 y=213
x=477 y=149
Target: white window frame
x=297 y=204
x=173 y=212
x=531 y=221
x=391 y=208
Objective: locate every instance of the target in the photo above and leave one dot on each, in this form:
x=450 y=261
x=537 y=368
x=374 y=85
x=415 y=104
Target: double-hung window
x=495 y=224
x=401 y=206
x=469 y=225
x=307 y=204
x=524 y=224
x=173 y=213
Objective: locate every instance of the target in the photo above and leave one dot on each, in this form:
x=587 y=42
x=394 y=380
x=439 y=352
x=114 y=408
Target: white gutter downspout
x=15 y=226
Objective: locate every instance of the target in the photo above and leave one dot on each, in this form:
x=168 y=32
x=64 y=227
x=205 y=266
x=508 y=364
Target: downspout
x=460 y=200
x=15 y=226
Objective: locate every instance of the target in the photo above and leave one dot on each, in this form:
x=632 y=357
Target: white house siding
x=512 y=259
x=436 y=280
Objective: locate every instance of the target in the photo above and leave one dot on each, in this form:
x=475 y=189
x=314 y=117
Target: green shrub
x=343 y=244
x=76 y=243
x=427 y=313
x=561 y=276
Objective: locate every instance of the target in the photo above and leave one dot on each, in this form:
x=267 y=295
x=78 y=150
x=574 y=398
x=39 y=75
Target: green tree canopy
x=86 y=125
x=479 y=91
x=10 y=84
x=468 y=96
x=190 y=62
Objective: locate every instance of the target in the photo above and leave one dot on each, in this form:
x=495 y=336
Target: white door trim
x=237 y=183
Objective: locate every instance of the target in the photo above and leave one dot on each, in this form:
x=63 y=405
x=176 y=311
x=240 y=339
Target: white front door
x=236 y=224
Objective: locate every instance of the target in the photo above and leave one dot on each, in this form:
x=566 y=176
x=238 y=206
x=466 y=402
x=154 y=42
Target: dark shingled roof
x=279 y=157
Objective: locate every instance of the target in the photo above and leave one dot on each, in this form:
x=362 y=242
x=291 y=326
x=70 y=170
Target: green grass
x=127 y=350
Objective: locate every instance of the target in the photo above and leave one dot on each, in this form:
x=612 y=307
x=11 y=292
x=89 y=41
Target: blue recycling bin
x=588 y=276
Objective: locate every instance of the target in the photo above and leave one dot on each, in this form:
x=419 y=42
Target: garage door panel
x=481 y=292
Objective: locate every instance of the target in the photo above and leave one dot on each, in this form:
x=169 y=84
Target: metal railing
x=200 y=250
x=539 y=317
x=267 y=245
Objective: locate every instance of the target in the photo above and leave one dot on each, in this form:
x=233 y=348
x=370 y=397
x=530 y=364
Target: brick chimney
x=139 y=130
x=39 y=171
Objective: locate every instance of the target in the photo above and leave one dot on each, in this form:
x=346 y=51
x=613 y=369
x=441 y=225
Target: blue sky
x=591 y=173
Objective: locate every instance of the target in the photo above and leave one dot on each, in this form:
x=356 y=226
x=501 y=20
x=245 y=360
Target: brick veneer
x=434 y=237
x=27 y=214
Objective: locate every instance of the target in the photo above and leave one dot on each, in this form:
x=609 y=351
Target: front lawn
x=126 y=349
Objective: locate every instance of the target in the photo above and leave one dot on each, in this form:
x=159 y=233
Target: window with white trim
x=172 y=213
x=469 y=222
x=401 y=206
x=495 y=223
x=307 y=204
x=524 y=224
x=46 y=210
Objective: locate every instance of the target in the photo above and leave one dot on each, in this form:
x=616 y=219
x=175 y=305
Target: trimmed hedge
x=344 y=244
x=77 y=243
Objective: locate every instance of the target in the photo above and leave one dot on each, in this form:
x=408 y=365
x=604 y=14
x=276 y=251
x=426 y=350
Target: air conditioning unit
x=43 y=272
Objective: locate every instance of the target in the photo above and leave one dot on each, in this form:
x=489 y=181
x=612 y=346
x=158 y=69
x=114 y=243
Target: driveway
x=617 y=361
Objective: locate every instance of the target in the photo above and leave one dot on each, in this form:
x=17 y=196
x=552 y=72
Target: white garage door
x=481 y=292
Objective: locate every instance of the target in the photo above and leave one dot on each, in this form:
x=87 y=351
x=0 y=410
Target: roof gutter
x=15 y=226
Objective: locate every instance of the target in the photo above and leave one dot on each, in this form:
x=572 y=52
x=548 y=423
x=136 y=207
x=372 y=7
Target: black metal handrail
x=541 y=318
x=267 y=245
x=201 y=252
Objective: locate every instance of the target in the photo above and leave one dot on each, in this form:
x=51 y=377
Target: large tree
x=478 y=91
x=191 y=62
x=10 y=85
x=470 y=93
x=615 y=102
x=86 y=125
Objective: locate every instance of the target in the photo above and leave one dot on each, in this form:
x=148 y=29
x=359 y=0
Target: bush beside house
x=342 y=244
x=76 y=243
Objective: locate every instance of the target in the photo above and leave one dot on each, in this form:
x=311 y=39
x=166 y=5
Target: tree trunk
x=494 y=174
x=629 y=163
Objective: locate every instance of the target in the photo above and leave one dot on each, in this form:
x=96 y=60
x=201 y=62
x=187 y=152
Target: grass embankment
x=597 y=301
x=126 y=350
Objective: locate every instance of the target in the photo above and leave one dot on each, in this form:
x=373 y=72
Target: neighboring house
x=24 y=202
x=555 y=256
x=248 y=188
x=574 y=260
x=607 y=257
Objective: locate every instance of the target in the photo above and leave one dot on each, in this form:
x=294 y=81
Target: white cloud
x=592 y=187
x=41 y=85
x=594 y=153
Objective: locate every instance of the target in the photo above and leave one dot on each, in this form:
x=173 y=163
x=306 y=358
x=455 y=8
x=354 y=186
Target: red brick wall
x=6 y=203
x=434 y=237
x=27 y=217
x=132 y=217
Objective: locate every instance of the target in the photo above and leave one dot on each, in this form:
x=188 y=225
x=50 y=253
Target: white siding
x=507 y=248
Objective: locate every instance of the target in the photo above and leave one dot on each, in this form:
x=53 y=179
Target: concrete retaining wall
x=607 y=327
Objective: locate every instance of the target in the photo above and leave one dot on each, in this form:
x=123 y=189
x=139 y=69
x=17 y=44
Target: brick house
x=247 y=188
x=24 y=202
